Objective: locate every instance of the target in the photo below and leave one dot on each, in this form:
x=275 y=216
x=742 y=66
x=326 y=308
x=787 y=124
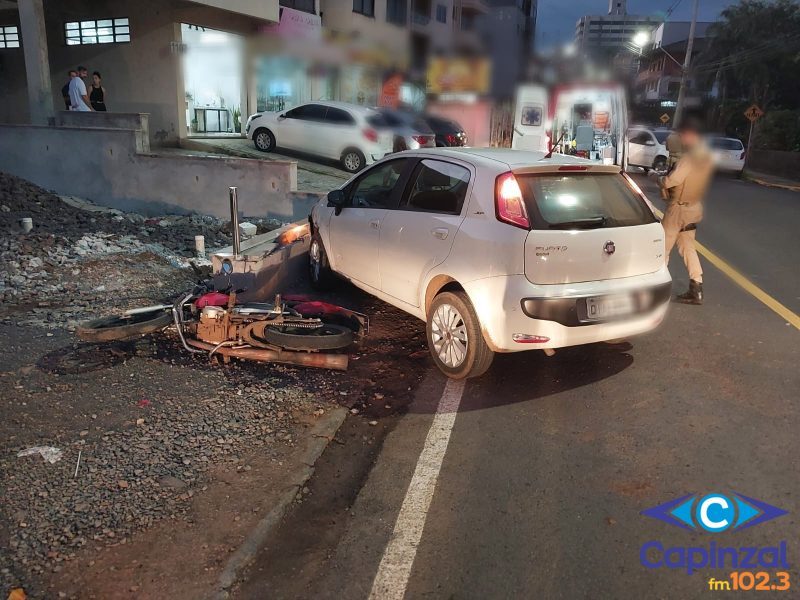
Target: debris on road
x=50 y=454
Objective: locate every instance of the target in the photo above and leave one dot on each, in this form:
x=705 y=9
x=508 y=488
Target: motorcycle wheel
x=107 y=329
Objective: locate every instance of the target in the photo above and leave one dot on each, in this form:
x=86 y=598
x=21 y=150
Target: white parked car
x=497 y=250
x=728 y=153
x=646 y=150
x=349 y=133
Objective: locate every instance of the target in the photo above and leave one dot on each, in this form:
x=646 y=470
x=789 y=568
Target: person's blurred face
x=73 y=74
x=689 y=137
x=84 y=73
x=96 y=80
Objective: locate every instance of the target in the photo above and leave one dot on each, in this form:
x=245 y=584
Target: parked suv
x=352 y=134
x=645 y=150
x=497 y=250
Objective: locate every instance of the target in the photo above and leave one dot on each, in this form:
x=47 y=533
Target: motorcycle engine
x=212 y=327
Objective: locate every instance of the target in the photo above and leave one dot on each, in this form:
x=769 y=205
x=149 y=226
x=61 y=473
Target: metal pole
x=234 y=219
x=749 y=143
x=687 y=61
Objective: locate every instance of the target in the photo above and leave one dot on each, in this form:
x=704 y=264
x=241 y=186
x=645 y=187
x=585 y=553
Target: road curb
x=320 y=435
x=765 y=183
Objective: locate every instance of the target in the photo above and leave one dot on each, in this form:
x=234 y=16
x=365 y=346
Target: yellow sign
x=664 y=118
x=458 y=75
x=754 y=113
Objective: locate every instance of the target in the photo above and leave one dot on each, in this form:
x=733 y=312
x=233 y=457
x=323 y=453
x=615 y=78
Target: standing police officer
x=685 y=187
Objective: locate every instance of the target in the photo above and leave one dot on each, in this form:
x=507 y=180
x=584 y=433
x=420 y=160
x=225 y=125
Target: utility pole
x=687 y=61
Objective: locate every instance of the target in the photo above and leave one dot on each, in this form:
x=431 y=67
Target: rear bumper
x=512 y=305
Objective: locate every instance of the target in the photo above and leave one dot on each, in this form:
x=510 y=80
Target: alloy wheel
x=263 y=141
x=449 y=335
x=352 y=161
x=314 y=258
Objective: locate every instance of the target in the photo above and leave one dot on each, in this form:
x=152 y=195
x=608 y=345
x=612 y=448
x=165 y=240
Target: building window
x=9 y=37
x=441 y=13
x=365 y=7
x=397 y=11
x=103 y=31
x=303 y=5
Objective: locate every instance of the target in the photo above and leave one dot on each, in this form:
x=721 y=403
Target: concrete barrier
x=111 y=167
x=107 y=120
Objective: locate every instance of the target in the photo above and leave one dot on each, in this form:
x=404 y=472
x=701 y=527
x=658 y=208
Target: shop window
x=397 y=11
x=9 y=37
x=303 y=5
x=364 y=7
x=441 y=13
x=102 y=31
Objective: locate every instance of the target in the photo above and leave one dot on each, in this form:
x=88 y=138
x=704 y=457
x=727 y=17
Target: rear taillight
x=451 y=138
x=371 y=135
x=420 y=139
x=508 y=203
x=742 y=156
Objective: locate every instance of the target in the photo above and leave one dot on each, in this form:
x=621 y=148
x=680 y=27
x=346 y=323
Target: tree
x=754 y=54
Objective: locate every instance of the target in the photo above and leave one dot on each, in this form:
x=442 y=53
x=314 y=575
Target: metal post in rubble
x=234 y=219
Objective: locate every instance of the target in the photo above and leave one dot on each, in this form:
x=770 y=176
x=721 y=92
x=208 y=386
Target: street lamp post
x=686 y=64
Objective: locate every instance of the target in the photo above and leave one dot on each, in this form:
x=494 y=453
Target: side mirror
x=336 y=199
x=281 y=117
x=649 y=143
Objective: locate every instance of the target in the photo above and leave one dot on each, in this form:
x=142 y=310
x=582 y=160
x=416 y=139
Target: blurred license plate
x=608 y=307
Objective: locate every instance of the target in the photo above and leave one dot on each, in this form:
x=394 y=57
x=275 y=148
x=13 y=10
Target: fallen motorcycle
x=293 y=329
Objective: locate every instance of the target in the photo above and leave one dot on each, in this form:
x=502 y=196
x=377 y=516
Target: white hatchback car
x=728 y=153
x=497 y=250
x=352 y=134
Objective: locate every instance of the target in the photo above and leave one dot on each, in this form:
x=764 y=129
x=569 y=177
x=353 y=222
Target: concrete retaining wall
x=111 y=167
x=775 y=162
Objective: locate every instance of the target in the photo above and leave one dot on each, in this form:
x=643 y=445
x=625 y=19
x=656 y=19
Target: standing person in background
x=65 y=90
x=78 y=98
x=97 y=94
x=686 y=184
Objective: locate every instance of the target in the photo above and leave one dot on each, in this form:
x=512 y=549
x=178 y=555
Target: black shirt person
x=97 y=94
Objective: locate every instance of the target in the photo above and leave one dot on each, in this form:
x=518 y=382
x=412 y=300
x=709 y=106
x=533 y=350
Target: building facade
x=605 y=38
x=510 y=32
x=659 y=77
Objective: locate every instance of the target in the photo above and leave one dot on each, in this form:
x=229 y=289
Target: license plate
x=608 y=307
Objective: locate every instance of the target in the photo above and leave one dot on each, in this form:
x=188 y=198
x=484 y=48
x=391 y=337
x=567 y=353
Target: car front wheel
x=454 y=337
x=319 y=270
x=264 y=140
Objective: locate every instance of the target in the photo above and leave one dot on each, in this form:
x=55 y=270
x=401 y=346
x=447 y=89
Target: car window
x=339 y=116
x=308 y=112
x=377 y=120
x=726 y=144
x=576 y=201
x=391 y=119
x=640 y=137
x=438 y=187
x=374 y=188
x=662 y=136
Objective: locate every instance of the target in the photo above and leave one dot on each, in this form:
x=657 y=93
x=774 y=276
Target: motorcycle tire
x=327 y=337
x=107 y=329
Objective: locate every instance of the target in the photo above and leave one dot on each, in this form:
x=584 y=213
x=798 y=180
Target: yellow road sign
x=754 y=112
x=664 y=118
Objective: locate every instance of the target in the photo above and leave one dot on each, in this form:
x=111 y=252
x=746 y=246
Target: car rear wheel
x=353 y=160
x=319 y=269
x=264 y=140
x=660 y=164
x=455 y=338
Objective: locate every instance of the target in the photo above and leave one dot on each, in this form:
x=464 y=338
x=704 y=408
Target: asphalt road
x=551 y=460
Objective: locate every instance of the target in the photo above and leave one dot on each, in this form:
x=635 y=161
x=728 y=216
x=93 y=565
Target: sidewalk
x=771 y=180
x=313 y=175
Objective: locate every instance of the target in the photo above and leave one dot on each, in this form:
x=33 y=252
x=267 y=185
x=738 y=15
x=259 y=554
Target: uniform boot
x=694 y=295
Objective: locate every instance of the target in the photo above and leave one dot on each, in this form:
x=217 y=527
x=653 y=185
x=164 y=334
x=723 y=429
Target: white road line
x=395 y=568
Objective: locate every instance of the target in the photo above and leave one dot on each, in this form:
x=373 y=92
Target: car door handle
x=440 y=232
x=375 y=224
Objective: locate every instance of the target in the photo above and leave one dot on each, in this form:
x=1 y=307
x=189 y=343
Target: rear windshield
x=583 y=201
x=725 y=144
x=378 y=120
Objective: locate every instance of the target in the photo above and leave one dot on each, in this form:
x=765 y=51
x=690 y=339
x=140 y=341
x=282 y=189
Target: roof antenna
x=553 y=147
